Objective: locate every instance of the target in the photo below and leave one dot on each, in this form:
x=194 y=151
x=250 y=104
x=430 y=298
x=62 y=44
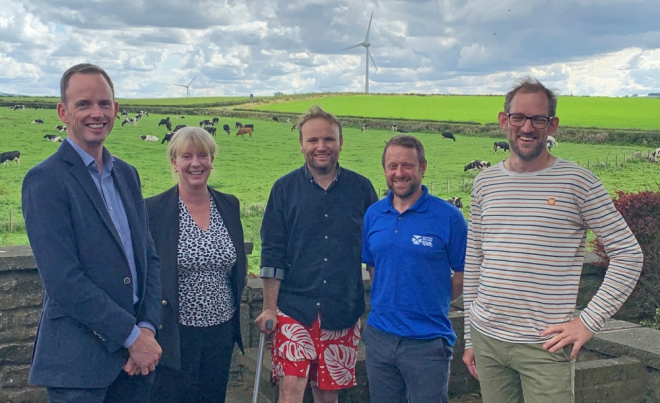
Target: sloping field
x=620 y=113
x=30 y=102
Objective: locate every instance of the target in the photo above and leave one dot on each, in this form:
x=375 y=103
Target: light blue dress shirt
x=112 y=199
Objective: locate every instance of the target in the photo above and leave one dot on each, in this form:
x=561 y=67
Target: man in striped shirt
x=526 y=245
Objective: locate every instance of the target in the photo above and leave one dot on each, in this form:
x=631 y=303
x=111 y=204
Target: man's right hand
x=145 y=352
x=267 y=314
x=468 y=359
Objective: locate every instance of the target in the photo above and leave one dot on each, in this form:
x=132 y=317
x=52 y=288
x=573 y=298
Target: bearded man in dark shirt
x=310 y=265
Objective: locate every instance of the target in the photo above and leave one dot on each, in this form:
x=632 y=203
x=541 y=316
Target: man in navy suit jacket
x=88 y=228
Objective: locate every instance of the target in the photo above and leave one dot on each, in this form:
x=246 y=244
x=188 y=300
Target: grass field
x=248 y=167
x=622 y=113
x=29 y=102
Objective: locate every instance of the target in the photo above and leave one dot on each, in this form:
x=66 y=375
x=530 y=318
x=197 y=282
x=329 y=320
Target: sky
x=238 y=47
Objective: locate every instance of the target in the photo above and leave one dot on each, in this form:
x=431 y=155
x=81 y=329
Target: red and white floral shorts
x=327 y=357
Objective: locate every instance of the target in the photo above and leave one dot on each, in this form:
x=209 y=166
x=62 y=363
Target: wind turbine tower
x=187 y=87
x=366 y=45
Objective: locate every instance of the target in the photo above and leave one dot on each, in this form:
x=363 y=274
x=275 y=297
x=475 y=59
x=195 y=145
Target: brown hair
x=82 y=68
x=407 y=141
x=315 y=112
x=528 y=85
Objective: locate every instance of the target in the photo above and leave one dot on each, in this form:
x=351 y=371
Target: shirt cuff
x=147 y=325
x=132 y=337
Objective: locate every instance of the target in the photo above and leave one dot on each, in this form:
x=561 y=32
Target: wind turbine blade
x=354 y=46
x=366 y=38
x=192 y=80
x=372 y=59
x=180 y=85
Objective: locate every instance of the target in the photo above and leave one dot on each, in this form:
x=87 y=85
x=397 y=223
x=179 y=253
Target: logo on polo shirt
x=422 y=240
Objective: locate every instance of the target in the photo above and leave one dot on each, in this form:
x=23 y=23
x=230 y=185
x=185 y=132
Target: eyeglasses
x=519 y=120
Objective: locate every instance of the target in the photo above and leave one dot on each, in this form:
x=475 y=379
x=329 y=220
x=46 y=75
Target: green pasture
x=248 y=167
x=29 y=102
x=620 y=113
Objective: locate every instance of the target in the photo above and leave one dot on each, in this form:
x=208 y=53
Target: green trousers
x=522 y=373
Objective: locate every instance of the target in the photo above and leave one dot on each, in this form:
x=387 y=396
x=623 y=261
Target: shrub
x=642 y=213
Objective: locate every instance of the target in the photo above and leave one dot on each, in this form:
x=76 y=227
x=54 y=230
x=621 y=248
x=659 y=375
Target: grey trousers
x=403 y=370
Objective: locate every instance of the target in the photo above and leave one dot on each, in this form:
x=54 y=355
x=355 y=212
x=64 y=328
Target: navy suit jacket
x=88 y=310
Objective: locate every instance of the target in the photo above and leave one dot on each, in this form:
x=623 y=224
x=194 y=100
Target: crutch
x=260 y=360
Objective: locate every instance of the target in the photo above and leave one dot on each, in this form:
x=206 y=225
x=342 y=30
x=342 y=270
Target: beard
x=405 y=193
x=535 y=152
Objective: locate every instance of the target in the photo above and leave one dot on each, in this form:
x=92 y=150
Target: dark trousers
x=402 y=370
x=125 y=389
x=205 y=359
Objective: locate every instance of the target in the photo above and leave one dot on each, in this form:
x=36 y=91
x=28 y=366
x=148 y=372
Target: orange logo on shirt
x=552 y=201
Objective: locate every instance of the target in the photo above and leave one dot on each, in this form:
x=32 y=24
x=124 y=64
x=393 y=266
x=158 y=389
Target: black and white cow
x=239 y=125
x=250 y=125
x=402 y=131
x=166 y=122
x=551 y=142
x=206 y=122
x=50 y=136
x=656 y=155
x=476 y=164
x=179 y=127
x=364 y=127
x=61 y=129
x=180 y=117
x=501 y=144
x=55 y=139
x=456 y=201
x=211 y=130
x=19 y=107
x=275 y=119
x=226 y=128
x=288 y=120
x=37 y=107
x=10 y=156
x=129 y=121
x=215 y=120
x=38 y=122
x=394 y=127
x=168 y=137
x=448 y=135
x=149 y=138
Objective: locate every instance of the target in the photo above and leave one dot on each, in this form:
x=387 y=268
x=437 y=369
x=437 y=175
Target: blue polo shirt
x=413 y=254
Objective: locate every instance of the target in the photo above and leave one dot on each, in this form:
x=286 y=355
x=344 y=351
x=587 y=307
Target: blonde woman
x=199 y=238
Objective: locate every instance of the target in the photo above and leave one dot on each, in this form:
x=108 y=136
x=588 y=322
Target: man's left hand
x=570 y=332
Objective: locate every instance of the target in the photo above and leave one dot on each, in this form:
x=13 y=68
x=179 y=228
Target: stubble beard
x=536 y=151
x=412 y=188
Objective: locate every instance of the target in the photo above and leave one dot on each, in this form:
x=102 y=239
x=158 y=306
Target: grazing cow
x=239 y=125
x=250 y=125
x=38 y=107
x=129 y=121
x=288 y=120
x=10 y=156
x=206 y=122
x=394 y=127
x=241 y=132
x=216 y=120
x=50 y=136
x=180 y=117
x=168 y=137
x=656 y=155
x=501 y=144
x=149 y=138
x=448 y=135
x=61 y=129
x=38 y=122
x=163 y=122
x=456 y=201
x=226 y=128
x=402 y=131
x=211 y=130
x=476 y=164
x=138 y=116
x=56 y=139
x=364 y=127
x=19 y=107
x=179 y=127
x=551 y=142
x=294 y=127
x=275 y=119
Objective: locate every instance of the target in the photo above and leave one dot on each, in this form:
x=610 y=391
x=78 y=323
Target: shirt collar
x=421 y=205
x=88 y=160
x=309 y=176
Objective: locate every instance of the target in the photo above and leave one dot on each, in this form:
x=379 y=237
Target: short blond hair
x=191 y=137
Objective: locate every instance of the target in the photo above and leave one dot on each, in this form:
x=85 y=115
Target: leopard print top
x=205 y=260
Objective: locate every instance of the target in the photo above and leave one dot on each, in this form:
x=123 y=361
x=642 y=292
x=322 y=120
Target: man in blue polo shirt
x=411 y=243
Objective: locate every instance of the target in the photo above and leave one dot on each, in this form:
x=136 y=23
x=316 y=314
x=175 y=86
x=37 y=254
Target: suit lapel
x=224 y=209
x=82 y=175
x=167 y=230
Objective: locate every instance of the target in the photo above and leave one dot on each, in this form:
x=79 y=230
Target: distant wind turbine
x=187 y=87
x=366 y=45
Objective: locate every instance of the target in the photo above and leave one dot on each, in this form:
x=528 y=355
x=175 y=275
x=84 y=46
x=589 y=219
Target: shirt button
x=325 y=282
x=164 y=302
x=326 y=215
x=325 y=259
x=326 y=237
x=399 y=218
x=160 y=326
x=127 y=280
x=318 y=304
x=396 y=231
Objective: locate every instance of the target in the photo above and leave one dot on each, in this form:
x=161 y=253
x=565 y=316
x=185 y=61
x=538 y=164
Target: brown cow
x=243 y=130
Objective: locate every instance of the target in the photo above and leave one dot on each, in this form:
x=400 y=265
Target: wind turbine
x=366 y=45
x=187 y=87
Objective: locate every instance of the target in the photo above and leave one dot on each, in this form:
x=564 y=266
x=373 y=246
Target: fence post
x=11 y=220
x=588 y=165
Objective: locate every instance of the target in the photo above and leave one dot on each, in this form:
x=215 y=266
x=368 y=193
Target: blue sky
x=234 y=47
